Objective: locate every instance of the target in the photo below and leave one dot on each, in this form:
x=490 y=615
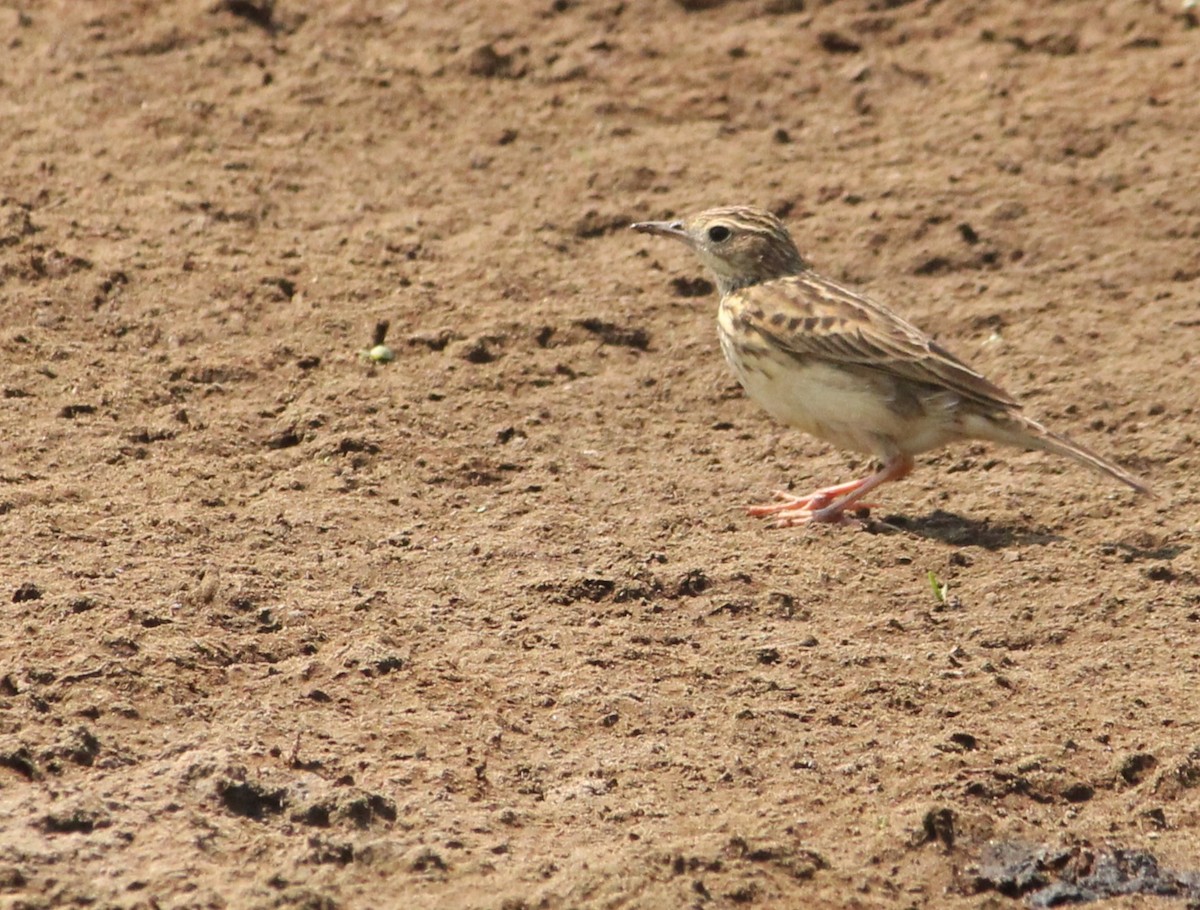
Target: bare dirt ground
x=487 y=626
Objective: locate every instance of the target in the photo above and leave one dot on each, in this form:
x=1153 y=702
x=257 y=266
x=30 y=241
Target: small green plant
x=940 y=588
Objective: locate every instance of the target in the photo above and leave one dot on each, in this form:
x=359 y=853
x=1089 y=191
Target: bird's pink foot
x=829 y=505
x=817 y=507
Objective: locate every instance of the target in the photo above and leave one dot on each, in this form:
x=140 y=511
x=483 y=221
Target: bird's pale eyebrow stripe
x=746 y=220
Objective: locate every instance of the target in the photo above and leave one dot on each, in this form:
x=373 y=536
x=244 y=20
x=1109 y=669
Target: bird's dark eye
x=718 y=233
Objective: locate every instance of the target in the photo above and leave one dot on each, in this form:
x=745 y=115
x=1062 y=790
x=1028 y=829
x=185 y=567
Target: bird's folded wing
x=810 y=316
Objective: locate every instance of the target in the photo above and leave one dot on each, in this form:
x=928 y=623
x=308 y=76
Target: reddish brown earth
x=486 y=626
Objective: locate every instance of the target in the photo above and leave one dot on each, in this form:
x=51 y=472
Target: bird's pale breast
x=855 y=409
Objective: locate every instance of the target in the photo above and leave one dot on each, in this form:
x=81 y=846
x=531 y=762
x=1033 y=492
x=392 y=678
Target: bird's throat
x=727 y=284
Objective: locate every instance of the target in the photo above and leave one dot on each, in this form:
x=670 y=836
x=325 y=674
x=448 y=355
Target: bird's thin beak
x=666 y=228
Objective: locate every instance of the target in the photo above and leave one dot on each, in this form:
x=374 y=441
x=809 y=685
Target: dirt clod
x=1133 y=768
x=250 y=799
x=26 y=591
x=691 y=287
x=938 y=827
x=1052 y=877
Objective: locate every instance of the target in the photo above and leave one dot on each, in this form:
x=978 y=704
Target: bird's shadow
x=960 y=531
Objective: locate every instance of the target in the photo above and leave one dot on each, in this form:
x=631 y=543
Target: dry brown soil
x=487 y=626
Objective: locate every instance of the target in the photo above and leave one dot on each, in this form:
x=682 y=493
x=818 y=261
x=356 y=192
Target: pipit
x=843 y=367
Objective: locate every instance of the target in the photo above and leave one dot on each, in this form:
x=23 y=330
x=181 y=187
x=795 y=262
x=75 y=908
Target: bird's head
x=740 y=245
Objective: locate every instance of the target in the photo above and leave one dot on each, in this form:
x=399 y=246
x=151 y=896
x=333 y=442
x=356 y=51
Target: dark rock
x=837 y=43
x=21 y=760
x=1079 y=792
x=258 y=12
x=613 y=334
x=1134 y=767
x=691 y=287
x=965 y=740
x=367 y=808
x=73 y=821
x=692 y=583
x=937 y=826
x=251 y=800
x=26 y=591
x=487 y=63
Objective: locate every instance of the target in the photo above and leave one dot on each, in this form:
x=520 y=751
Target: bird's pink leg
x=828 y=505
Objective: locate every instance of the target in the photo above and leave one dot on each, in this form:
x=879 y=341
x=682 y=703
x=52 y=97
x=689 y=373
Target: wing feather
x=809 y=316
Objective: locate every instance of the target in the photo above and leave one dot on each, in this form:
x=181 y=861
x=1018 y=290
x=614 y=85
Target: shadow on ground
x=960 y=531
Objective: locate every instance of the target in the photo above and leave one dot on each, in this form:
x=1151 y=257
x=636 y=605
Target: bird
x=842 y=367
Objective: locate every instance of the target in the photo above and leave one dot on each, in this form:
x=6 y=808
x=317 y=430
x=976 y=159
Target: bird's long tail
x=1020 y=431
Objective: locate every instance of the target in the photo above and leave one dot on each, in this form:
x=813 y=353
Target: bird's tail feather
x=1016 y=430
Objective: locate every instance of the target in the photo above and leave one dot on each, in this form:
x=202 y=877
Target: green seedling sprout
x=939 y=587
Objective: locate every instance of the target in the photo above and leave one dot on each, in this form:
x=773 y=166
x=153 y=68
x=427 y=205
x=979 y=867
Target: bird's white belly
x=843 y=407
